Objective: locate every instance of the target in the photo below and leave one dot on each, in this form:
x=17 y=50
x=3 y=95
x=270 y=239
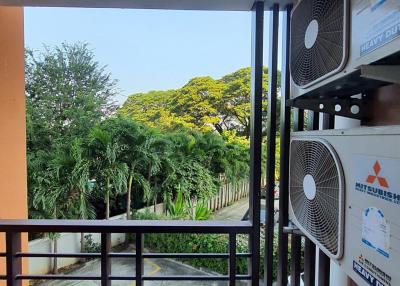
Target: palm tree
x=79 y=181
x=111 y=171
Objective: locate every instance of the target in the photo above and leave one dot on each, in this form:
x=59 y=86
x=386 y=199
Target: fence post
x=232 y=259
x=14 y=264
x=105 y=259
x=139 y=259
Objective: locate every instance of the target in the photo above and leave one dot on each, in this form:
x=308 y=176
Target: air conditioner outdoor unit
x=344 y=192
x=343 y=45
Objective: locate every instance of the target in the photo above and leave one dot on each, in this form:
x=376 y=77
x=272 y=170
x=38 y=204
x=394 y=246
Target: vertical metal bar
x=139 y=259
x=232 y=259
x=105 y=259
x=284 y=156
x=256 y=136
x=324 y=264
x=328 y=121
x=298 y=122
x=295 y=253
x=14 y=265
x=309 y=248
x=271 y=144
x=295 y=267
x=309 y=262
x=312 y=120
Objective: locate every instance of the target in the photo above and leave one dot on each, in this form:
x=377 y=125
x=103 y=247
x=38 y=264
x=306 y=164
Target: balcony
x=13 y=255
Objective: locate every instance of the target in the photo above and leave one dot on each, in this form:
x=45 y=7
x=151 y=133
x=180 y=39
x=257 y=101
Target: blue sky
x=147 y=49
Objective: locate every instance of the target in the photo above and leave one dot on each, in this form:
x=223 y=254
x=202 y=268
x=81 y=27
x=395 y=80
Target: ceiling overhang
x=210 y=5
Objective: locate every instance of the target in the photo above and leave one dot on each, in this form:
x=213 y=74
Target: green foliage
x=201 y=211
x=203 y=104
x=90 y=245
x=82 y=160
x=206 y=243
x=178 y=208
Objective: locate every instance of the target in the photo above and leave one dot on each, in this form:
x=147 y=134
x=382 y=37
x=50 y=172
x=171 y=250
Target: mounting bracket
x=347 y=107
x=292 y=229
x=386 y=73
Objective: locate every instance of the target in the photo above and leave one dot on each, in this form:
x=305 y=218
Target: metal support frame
x=324 y=264
x=309 y=262
x=232 y=259
x=105 y=261
x=386 y=73
x=139 y=258
x=271 y=142
x=295 y=267
x=14 y=264
x=347 y=107
x=256 y=136
x=312 y=120
x=284 y=154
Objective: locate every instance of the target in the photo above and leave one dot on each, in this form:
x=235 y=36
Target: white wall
x=70 y=243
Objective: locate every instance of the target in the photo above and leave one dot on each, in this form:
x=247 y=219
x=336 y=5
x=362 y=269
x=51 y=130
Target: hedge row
x=205 y=243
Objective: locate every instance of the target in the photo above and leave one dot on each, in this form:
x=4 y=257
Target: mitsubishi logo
x=382 y=181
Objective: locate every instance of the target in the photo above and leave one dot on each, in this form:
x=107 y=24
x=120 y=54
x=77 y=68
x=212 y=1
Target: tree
x=67 y=93
x=203 y=104
x=79 y=181
x=111 y=173
x=136 y=155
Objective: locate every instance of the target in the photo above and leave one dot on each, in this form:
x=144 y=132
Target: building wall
x=13 y=189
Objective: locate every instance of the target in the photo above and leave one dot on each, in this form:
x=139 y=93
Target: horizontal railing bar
x=125 y=226
x=3 y=254
x=193 y=255
x=3 y=277
x=60 y=255
x=128 y=278
x=58 y=277
x=128 y=255
x=122 y=278
x=194 y=278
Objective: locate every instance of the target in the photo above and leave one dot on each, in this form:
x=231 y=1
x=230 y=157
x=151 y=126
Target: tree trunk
x=55 y=266
x=108 y=199
x=82 y=242
x=128 y=198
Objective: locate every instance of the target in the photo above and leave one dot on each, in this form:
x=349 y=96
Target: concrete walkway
x=155 y=267
x=126 y=266
x=233 y=212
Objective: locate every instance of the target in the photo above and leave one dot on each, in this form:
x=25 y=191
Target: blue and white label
x=384 y=31
x=376 y=231
x=366 y=275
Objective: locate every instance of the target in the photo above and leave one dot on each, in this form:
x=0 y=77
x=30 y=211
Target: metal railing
x=13 y=255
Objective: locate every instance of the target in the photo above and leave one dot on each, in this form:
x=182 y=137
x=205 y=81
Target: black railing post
x=324 y=265
x=295 y=267
x=312 y=120
x=105 y=259
x=232 y=259
x=139 y=258
x=271 y=143
x=309 y=246
x=295 y=240
x=298 y=122
x=14 y=264
x=256 y=137
x=284 y=155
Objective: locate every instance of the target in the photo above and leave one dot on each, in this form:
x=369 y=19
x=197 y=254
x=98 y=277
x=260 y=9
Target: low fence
x=70 y=242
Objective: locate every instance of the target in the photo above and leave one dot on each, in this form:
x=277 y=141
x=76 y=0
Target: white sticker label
x=376 y=231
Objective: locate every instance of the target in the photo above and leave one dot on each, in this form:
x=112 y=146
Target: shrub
x=206 y=243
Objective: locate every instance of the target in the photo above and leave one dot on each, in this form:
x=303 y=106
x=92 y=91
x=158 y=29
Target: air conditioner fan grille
x=320 y=216
x=327 y=53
